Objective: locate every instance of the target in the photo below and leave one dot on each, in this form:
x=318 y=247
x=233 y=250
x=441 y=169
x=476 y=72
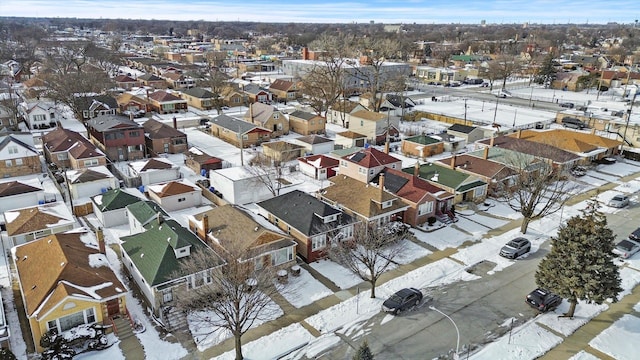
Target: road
x=479 y=308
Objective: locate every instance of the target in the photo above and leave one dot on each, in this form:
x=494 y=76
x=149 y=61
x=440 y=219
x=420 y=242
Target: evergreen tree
x=580 y=264
x=547 y=72
x=364 y=353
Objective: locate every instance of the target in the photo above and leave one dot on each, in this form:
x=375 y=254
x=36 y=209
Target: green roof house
x=111 y=207
x=465 y=187
x=141 y=213
x=154 y=257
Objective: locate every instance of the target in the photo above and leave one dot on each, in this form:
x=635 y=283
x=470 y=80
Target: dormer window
x=181 y=252
x=330 y=218
x=343 y=163
x=276 y=116
x=387 y=204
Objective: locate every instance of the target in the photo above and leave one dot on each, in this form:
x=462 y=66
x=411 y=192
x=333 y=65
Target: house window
x=343 y=163
x=85 y=113
x=166 y=147
x=13 y=150
x=91 y=162
x=132 y=148
x=91 y=316
x=70 y=321
x=281 y=256
x=361 y=122
x=362 y=171
x=182 y=199
x=318 y=242
x=8 y=163
x=167 y=107
x=280 y=126
x=52 y=325
x=245 y=137
x=312 y=122
x=478 y=192
x=346 y=232
x=18 y=162
x=63 y=156
x=39 y=117
x=276 y=116
x=425 y=208
x=134 y=134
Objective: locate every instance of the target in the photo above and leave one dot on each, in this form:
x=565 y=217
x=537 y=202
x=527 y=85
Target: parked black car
x=567 y=105
x=543 y=300
x=635 y=235
x=402 y=300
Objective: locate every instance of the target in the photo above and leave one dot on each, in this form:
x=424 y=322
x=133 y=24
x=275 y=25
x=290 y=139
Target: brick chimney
x=386 y=147
x=519 y=134
x=485 y=155
x=100 y=238
x=453 y=162
x=175 y=123
x=205 y=225
x=381 y=182
x=416 y=169
x=492 y=140
x=305 y=53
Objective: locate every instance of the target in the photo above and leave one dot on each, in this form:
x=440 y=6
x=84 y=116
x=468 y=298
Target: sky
x=341 y=11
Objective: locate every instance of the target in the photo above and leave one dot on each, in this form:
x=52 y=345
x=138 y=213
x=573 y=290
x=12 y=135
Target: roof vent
x=256 y=228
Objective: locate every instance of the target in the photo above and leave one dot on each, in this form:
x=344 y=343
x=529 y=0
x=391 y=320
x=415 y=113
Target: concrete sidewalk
x=572 y=344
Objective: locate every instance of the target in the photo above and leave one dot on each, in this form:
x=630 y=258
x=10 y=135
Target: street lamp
x=455 y=355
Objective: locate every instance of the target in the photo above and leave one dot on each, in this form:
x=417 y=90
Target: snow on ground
x=206 y=336
x=620 y=339
x=565 y=326
x=486 y=221
x=476 y=230
x=111 y=353
x=339 y=275
x=272 y=347
x=527 y=341
x=411 y=252
x=442 y=272
x=630 y=278
x=304 y=289
x=499 y=208
x=446 y=237
x=606 y=178
x=583 y=355
x=620 y=168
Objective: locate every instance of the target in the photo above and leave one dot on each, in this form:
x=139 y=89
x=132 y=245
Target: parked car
x=402 y=300
x=543 y=300
x=578 y=171
x=605 y=161
x=503 y=94
x=635 y=235
x=626 y=248
x=573 y=123
x=619 y=201
x=516 y=247
x=484 y=84
x=568 y=105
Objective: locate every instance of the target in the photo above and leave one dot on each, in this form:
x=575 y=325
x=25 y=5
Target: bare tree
x=237 y=296
x=371 y=74
x=325 y=82
x=371 y=252
x=539 y=188
x=217 y=83
x=267 y=172
x=502 y=67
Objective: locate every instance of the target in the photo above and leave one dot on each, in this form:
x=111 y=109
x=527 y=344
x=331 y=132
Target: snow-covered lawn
x=304 y=289
x=446 y=237
x=620 y=340
x=584 y=312
x=339 y=275
x=527 y=341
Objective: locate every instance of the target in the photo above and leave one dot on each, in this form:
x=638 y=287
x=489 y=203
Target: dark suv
x=543 y=300
x=402 y=300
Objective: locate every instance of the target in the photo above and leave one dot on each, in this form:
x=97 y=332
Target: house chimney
x=205 y=225
x=386 y=147
x=131 y=116
x=593 y=131
x=175 y=123
x=492 y=140
x=147 y=94
x=100 y=238
x=381 y=182
x=453 y=162
x=519 y=134
x=485 y=155
x=159 y=218
x=416 y=169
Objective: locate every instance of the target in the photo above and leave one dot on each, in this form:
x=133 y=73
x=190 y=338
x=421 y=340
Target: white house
x=32 y=223
x=314 y=144
x=142 y=213
x=84 y=183
x=154 y=171
x=17 y=194
x=39 y=114
x=176 y=195
x=111 y=207
x=239 y=186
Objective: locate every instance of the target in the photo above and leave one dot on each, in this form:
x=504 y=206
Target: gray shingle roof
x=106 y=122
x=233 y=124
x=304 y=212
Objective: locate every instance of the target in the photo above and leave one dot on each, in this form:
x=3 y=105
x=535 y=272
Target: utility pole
x=465 y=111
x=495 y=112
x=624 y=136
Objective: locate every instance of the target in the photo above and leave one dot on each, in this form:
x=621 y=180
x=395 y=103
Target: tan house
x=18 y=155
x=306 y=123
x=267 y=117
x=70 y=150
x=349 y=139
x=199 y=98
x=362 y=200
x=152 y=81
x=133 y=105
x=126 y=82
x=374 y=125
x=283 y=90
x=27 y=224
x=421 y=146
x=237 y=132
x=588 y=146
x=79 y=286
x=229 y=226
x=163 y=102
x=366 y=164
x=282 y=151
x=340 y=112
